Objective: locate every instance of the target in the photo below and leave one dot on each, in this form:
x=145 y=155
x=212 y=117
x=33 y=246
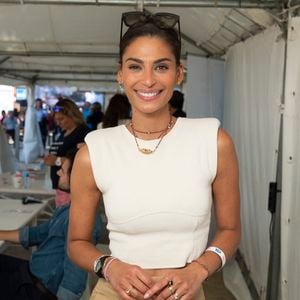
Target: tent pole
x=229 y=4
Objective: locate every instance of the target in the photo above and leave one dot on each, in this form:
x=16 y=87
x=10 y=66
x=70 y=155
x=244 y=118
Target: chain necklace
x=163 y=133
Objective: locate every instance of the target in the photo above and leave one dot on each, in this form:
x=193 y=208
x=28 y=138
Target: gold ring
x=171 y=289
x=128 y=291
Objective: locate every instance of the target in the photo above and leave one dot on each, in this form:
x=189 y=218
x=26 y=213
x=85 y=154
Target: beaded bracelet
x=220 y=253
x=106 y=267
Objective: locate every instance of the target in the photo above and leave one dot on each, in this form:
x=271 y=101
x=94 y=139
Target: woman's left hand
x=178 y=284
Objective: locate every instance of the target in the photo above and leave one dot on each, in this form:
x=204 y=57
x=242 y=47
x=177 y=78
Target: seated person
x=49 y=274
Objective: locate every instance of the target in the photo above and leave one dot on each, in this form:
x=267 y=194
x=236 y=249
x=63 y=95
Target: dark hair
x=69 y=108
x=150 y=28
x=118 y=109
x=177 y=100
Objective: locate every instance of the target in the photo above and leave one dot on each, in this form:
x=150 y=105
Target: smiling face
x=149 y=74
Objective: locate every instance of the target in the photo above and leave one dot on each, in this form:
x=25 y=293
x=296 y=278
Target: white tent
x=241 y=67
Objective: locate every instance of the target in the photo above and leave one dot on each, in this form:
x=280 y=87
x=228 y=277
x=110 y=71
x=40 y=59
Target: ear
x=180 y=74
x=119 y=75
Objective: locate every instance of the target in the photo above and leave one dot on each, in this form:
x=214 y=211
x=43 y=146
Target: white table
x=39 y=186
x=14 y=214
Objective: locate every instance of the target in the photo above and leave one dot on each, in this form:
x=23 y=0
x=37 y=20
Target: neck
x=151 y=122
x=149 y=128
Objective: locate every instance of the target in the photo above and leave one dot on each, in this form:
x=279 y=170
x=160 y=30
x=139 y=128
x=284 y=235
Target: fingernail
x=146 y=296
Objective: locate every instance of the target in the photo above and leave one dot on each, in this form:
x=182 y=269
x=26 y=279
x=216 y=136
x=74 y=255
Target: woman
x=158 y=212
x=117 y=112
x=69 y=118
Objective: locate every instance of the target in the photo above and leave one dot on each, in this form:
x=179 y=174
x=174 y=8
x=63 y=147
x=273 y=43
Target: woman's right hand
x=49 y=160
x=129 y=281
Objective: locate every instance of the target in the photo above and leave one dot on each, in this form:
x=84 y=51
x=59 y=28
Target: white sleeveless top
x=158 y=206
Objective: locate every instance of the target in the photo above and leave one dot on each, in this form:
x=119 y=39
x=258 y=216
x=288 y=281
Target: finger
x=146 y=280
x=156 y=288
x=136 y=294
x=126 y=294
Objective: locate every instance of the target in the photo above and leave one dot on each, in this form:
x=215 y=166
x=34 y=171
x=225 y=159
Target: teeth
x=148 y=95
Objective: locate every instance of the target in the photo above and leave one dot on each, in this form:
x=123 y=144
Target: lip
x=148 y=95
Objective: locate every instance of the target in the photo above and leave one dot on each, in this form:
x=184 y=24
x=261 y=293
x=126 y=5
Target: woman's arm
x=10 y=236
x=85 y=196
x=226 y=202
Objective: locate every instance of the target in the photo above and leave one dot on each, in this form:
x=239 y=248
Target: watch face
x=97 y=266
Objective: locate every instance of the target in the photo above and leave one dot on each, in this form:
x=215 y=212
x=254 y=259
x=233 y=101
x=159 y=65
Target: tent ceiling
x=45 y=41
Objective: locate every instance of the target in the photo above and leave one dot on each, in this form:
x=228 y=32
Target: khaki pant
x=104 y=291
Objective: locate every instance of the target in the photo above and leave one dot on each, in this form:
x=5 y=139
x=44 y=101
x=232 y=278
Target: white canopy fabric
x=253 y=89
x=78 y=44
x=290 y=220
x=32 y=142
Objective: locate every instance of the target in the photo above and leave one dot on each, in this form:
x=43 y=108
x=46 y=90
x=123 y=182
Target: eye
x=162 y=67
x=134 y=67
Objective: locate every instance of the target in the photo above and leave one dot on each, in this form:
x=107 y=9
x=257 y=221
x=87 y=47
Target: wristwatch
x=99 y=264
x=58 y=162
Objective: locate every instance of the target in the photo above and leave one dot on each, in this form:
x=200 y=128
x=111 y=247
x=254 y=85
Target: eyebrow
x=137 y=60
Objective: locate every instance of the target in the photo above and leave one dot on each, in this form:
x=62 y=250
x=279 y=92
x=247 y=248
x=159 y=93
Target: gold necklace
x=147 y=150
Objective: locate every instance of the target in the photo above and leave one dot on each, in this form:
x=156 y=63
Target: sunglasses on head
x=57 y=108
x=162 y=20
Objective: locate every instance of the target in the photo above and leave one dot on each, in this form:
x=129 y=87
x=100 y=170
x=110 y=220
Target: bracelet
x=106 y=267
x=220 y=253
x=203 y=266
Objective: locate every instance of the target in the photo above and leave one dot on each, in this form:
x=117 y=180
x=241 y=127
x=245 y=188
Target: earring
x=121 y=88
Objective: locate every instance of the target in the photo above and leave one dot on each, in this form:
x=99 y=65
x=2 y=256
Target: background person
x=41 y=116
x=69 y=118
x=95 y=116
x=49 y=274
x=10 y=123
x=158 y=212
x=117 y=112
x=176 y=105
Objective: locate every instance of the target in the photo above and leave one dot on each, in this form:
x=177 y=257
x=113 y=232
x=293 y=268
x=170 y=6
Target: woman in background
x=69 y=118
x=158 y=212
x=117 y=112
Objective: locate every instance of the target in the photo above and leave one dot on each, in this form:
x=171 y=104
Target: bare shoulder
x=225 y=141
x=227 y=157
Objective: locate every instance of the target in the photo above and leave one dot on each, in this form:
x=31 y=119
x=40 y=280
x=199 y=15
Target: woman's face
x=63 y=121
x=149 y=74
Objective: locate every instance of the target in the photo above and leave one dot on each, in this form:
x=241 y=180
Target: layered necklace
x=161 y=136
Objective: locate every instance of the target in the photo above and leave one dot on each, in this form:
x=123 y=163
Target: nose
x=149 y=78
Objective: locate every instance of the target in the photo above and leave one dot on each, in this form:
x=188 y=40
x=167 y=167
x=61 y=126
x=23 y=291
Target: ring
x=128 y=291
x=176 y=296
x=170 y=283
x=170 y=287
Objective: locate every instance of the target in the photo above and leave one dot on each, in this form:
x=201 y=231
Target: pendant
x=145 y=151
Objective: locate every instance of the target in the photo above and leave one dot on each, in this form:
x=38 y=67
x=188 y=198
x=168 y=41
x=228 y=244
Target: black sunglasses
x=162 y=20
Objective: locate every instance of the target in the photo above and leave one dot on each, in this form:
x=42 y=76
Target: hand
x=49 y=160
x=178 y=284
x=129 y=281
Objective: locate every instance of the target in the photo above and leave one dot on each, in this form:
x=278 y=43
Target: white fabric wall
x=253 y=88
x=290 y=220
x=32 y=142
x=204 y=87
